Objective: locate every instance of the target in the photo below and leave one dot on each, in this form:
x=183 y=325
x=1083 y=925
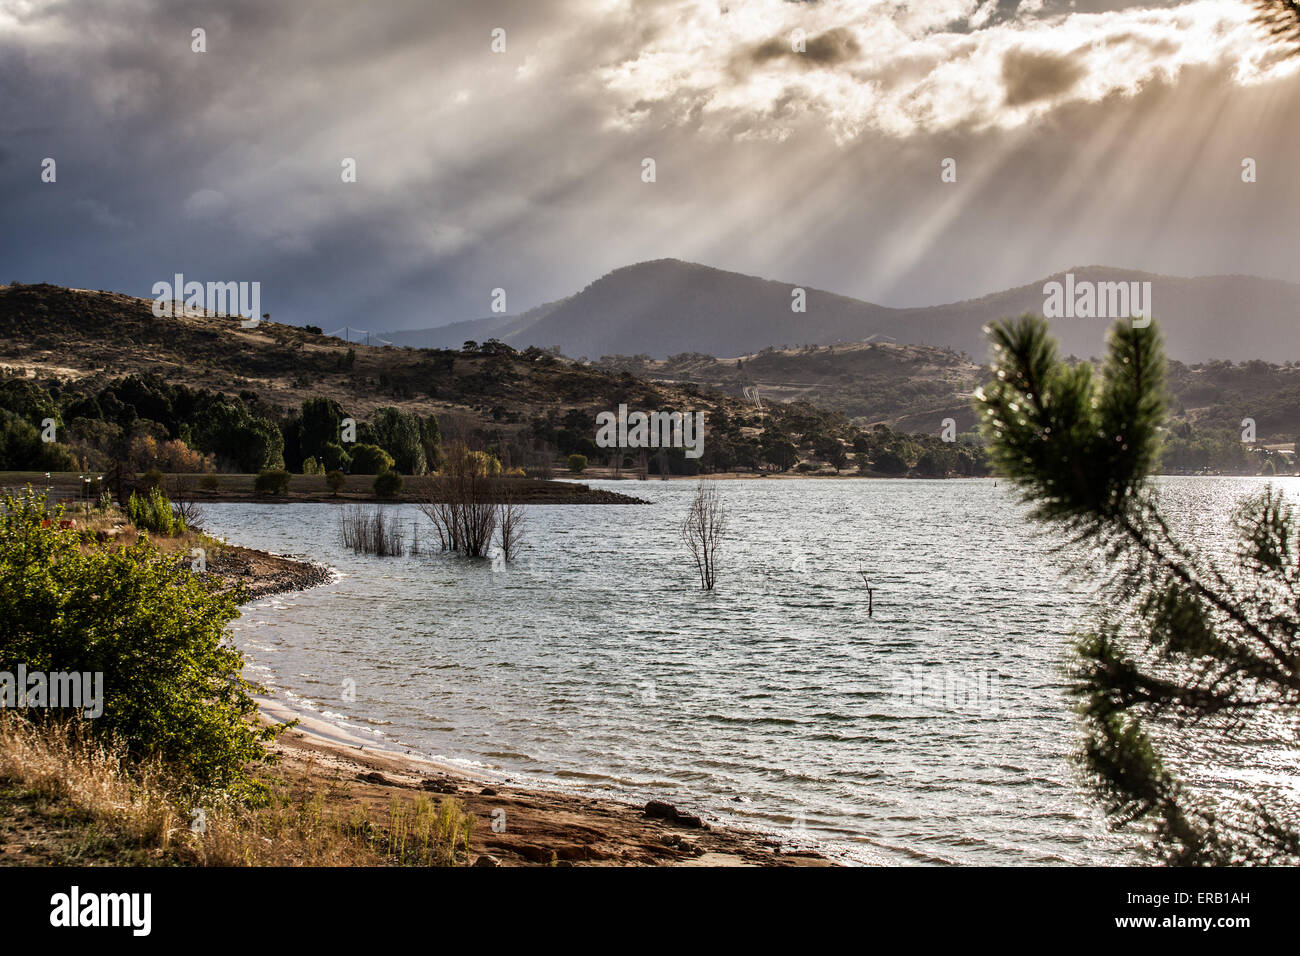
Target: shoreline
x=516 y=824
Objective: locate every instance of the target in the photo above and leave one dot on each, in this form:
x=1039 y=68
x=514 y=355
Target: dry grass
x=134 y=808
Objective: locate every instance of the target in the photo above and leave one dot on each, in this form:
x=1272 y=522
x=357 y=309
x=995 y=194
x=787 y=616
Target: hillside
x=666 y=307
x=106 y=367
x=908 y=387
x=126 y=385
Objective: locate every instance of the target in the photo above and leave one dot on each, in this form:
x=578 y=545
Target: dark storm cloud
x=521 y=170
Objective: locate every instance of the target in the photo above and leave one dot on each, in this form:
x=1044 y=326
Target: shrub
x=577 y=463
x=172 y=685
x=272 y=483
x=388 y=484
x=335 y=458
x=310 y=466
x=210 y=483
x=370 y=460
x=153 y=477
x=335 y=480
x=153 y=512
x=370 y=532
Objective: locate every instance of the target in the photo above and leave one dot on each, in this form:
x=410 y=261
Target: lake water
x=934 y=730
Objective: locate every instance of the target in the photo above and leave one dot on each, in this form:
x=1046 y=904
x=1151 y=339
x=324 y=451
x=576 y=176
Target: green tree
x=321 y=423
x=172 y=684
x=334 y=457
x=370 y=460
x=399 y=435
x=1185 y=654
x=388 y=484
x=779 y=452
x=272 y=483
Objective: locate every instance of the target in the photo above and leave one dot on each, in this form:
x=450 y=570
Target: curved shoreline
x=529 y=824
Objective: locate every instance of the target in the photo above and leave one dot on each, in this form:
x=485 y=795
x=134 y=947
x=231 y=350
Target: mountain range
x=667 y=307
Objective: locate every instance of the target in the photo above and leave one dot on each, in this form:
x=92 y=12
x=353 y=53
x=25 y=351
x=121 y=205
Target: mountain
x=1204 y=319
x=666 y=307
x=453 y=336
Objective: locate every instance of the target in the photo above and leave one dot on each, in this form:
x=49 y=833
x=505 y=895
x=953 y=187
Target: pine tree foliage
x=1188 y=658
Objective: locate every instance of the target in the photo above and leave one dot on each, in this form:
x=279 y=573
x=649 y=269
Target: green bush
x=153 y=512
x=388 y=484
x=210 y=483
x=370 y=460
x=172 y=685
x=335 y=458
x=335 y=480
x=577 y=463
x=272 y=483
x=153 y=478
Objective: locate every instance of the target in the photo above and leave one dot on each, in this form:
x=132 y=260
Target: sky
x=1080 y=133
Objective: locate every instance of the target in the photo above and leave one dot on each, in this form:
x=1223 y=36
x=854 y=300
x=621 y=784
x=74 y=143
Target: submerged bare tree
x=703 y=529
x=510 y=524
x=370 y=532
x=462 y=501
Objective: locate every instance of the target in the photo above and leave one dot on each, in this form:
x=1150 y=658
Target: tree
x=388 y=484
x=172 y=684
x=334 y=458
x=334 y=481
x=238 y=439
x=780 y=452
x=370 y=460
x=272 y=483
x=431 y=442
x=887 y=461
x=702 y=531
x=321 y=421
x=577 y=464
x=462 y=502
x=399 y=434
x=1185 y=655
x=510 y=524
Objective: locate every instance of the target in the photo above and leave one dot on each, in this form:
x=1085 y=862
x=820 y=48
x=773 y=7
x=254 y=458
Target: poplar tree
x=1189 y=657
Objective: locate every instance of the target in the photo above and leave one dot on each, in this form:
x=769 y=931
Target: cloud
x=1030 y=76
x=838 y=45
x=1098 y=135
x=903 y=70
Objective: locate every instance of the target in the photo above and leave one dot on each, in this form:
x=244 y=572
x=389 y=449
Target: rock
x=660 y=810
x=373 y=777
x=439 y=786
x=487 y=792
x=487 y=860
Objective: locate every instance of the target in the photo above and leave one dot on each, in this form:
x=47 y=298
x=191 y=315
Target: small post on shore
x=870 y=592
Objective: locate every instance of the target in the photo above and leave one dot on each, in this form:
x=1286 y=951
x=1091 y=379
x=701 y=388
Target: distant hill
x=504 y=327
x=73 y=342
x=666 y=307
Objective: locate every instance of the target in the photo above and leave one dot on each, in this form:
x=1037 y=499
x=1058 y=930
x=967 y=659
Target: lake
x=933 y=730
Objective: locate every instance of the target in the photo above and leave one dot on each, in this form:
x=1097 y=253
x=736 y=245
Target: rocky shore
x=263 y=574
